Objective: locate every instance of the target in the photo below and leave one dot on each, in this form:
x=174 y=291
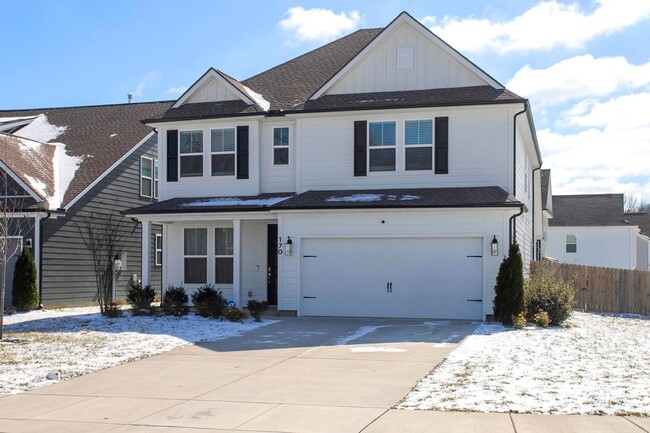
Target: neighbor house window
x=195 y=256
x=381 y=145
x=222 y=148
x=280 y=146
x=223 y=255
x=146 y=176
x=158 y=250
x=571 y=244
x=155 y=178
x=191 y=153
x=418 y=141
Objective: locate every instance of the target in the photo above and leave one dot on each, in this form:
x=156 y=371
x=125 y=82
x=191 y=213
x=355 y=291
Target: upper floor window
x=381 y=146
x=155 y=178
x=195 y=256
x=191 y=153
x=418 y=141
x=146 y=176
x=571 y=244
x=281 y=146
x=222 y=148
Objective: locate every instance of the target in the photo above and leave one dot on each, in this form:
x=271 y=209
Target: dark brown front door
x=272 y=265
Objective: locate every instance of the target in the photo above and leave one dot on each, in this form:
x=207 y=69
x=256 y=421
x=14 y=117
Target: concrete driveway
x=303 y=375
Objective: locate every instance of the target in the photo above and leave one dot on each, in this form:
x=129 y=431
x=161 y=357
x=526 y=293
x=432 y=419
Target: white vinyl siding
x=222 y=149
x=191 y=153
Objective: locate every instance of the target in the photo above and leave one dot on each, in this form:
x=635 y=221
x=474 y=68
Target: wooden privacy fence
x=606 y=290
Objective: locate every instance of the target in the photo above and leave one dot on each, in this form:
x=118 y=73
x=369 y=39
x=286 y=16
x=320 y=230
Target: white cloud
x=620 y=113
x=578 y=77
x=547 y=25
x=176 y=90
x=148 y=78
x=318 y=24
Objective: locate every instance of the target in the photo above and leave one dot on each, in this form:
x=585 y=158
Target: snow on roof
x=258 y=99
x=65 y=168
x=358 y=198
x=236 y=201
x=41 y=130
x=14 y=119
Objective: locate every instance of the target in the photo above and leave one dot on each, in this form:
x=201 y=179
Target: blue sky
x=585 y=65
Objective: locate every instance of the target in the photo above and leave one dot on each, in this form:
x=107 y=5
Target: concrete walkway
x=300 y=375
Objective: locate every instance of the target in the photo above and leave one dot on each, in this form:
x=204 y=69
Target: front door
x=272 y=265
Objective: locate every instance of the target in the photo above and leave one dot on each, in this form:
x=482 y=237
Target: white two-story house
x=383 y=174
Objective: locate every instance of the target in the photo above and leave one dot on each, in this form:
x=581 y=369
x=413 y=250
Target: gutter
x=511 y=223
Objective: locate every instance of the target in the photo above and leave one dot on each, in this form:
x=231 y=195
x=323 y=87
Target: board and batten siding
x=407 y=60
x=67 y=271
x=524 y=193
x=479 y=142
x=484 y=223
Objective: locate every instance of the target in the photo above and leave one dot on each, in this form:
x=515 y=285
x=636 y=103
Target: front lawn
x=75 y=341
x=597 y=364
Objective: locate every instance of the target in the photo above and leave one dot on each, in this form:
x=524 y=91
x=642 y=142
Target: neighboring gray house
x=71 y=163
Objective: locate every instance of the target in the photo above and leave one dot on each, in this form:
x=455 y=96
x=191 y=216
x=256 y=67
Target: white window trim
x=369 y=148
x=156 y=250
x=227 y=152
x=223 y=256
x=201 y=154
x=566 y=244
x=207 y=262
x=288 y=146
x=149 y=178
x=211 y=271
x=413 y=146
x=156 y=182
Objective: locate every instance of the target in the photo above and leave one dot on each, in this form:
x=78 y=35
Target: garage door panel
x=428 y=277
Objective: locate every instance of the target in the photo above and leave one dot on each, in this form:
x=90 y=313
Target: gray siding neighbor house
x=75 y=164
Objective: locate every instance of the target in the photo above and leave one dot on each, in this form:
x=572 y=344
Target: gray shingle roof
x=105 y=132
x=640 y=219
x=588 y=210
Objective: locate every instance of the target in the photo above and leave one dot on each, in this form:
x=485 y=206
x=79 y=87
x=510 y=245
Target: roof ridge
x=87 y=106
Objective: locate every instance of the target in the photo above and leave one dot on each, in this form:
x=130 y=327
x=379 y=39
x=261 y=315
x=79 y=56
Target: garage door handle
x=478 y=257
x=309 y=297
x=475 y=300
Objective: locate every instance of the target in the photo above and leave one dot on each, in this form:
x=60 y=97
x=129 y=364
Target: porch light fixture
x=494 y=246
x=288 y=247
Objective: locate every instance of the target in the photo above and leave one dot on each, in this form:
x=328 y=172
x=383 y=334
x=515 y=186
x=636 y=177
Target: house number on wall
x=280 y=245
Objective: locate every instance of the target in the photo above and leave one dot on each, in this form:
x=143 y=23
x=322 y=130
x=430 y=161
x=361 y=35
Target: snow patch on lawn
x=597 y=364
x=75 y=341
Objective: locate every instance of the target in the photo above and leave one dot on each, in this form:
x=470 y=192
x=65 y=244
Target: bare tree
x=633 y=204
x=14 y=221
x=103 y=237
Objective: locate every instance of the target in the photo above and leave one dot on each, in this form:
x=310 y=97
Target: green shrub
x=208 y=301
x=546 y=292
x=519 y=321
x=112 y=311
x=257 y=308
x=541 y=319
x=174 y=302
x=509 y=290
x=234 y=314
x=24 y=295
x=140 y=299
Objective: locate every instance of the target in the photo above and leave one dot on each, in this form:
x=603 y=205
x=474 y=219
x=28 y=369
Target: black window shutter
x=442 y=145
x=242 y=152
x=360 y=147
x=172 y=155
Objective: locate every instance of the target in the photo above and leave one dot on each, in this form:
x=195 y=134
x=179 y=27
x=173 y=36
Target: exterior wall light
x=288 y=247
x=494 y=246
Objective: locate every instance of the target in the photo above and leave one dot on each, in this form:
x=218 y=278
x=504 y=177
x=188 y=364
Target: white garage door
x=414 y=277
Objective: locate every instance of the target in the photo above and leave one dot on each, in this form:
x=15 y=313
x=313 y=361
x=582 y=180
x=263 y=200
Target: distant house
x=544 y=201
x=67 y=164
x=383 y=174
x=642 y=220
x=593 y=229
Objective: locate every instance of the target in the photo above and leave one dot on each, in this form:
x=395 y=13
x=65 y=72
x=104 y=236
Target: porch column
x=236 y=259
x=36 y=248
x=146 y=253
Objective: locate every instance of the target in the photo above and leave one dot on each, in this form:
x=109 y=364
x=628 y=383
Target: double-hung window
x=418 y=143
x=158 y=250
x=195 y=256
x=155 y=178
x=281 y=146
x=222 y=148
x=191 y=153
x=381 y=146
x=223 y=255
x=146 y=176
x=571 y=244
